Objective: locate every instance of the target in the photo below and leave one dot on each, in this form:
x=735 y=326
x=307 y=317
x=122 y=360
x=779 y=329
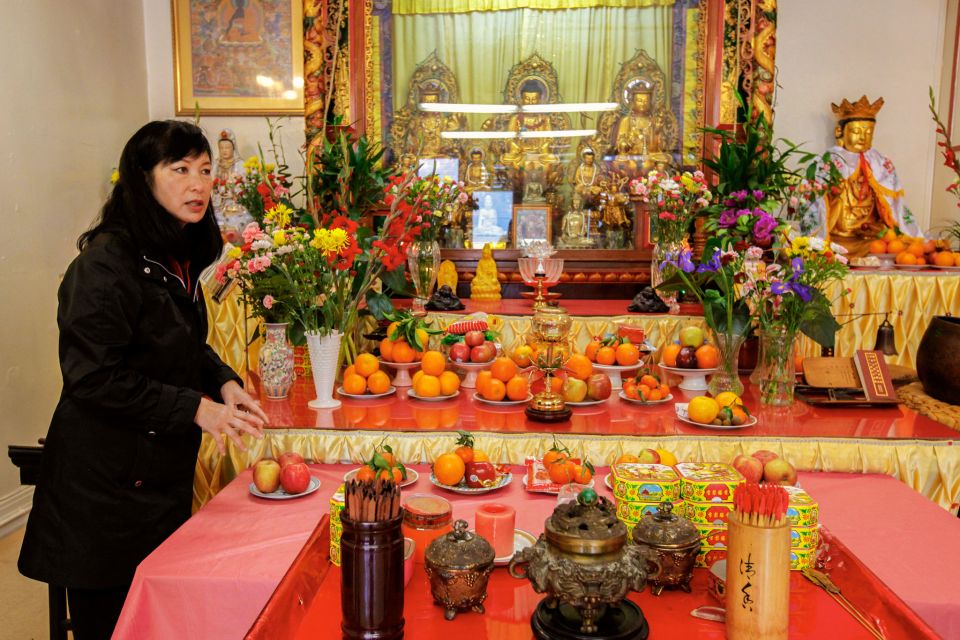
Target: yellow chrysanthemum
x=114 y=176
x=688 y=183
x=279 y=215
x=339 y=239
x=279 y=238
x=235 y=253
x=252 y=163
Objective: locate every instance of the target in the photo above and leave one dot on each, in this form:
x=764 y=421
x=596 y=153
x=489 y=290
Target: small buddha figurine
x=423 y=134
x=485 y=285
x=637 y=135
x=447 y=275
x=870 y=196
x=475 y=174
x=408 y=163
x=587 y=176
x=573 y=231
x=485 y=228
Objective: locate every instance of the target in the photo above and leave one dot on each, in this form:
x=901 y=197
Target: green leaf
x=379 y=304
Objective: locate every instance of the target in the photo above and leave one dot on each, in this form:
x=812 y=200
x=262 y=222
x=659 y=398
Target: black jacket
x=119 y=458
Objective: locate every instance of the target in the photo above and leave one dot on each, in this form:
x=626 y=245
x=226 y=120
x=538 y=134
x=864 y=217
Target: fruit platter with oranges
x=364 y=379
x=584 y=385
x=645 y=388
x=913 y=253
x=383 y=465
x=555 y=469
x=468 y=470
x=504 y=383
x=408 y=338
x=434 y=381
x=726 y=411
x=691 y=351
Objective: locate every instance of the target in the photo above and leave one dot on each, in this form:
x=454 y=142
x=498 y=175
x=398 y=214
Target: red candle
x=495 y=523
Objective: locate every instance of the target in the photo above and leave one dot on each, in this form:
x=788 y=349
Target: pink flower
x=754 y=253
x=251 y=232
x=221 y=274
x=666 y=215
x=268 y=301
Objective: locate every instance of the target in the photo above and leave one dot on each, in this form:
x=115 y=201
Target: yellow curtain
x=408 y=7
x=586 y=46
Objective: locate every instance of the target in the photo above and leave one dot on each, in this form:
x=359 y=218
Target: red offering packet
x=538 y=477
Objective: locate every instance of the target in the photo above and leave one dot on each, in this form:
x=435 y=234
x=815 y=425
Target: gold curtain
x=410 y=7
x=586 y=46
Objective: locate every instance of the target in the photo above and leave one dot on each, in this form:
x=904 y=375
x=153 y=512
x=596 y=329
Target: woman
x=119 y=458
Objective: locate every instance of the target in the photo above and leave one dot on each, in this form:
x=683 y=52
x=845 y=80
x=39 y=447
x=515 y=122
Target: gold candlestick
x=551 y=324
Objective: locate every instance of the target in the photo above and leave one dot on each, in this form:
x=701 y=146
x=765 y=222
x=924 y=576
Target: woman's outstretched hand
x=238 y=414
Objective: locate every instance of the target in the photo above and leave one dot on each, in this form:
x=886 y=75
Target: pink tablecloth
x=213 y=576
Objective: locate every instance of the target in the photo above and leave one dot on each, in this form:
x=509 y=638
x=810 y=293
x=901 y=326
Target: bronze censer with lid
x=583 y=563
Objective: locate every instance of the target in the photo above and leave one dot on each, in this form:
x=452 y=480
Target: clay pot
x=938 y=359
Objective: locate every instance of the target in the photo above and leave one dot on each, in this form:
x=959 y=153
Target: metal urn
x=583 y=563
x=551 y=325
x=459 y=565
x=675 y=540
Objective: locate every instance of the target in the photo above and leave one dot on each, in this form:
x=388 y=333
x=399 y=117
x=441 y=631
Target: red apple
x=764 y=456
x=288 y=457
x=649 y=456
x=474 y=338
x=483 y=353
x=598 y=386
x=751 y=468
x=459 y=352
x=266 y=475
x=480 y=474
x=573 y=390
x=779 y=471
x=295 y=478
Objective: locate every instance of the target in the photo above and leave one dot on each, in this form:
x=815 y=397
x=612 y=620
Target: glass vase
x=777 y=368
x=275 y=362
x=661 y=250
x=727 y=375
x=423 y=261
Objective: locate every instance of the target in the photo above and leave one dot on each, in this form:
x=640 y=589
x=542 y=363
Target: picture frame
x=492 y=220
x=441 y=167
x=531 y=223
x=238 y=61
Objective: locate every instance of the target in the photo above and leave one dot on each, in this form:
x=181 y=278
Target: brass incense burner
x=675 y=540
x=583 y=563
x=551 y=325
x=459 y=565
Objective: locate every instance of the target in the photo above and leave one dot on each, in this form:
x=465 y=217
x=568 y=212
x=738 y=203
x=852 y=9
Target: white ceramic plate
x=914 y=267
x=617 y=367
x=584 y=403
x=399 y=365
x=366 y=396
x=412 y=476
x=677 y=371
x=502 y=403
x=948 y=268
x=550 y=491
x=280 y=494
x=623 y=396
x=463 y=489
x=411 y=394
x=478 y=366
x=608 y=481
x=682 y=415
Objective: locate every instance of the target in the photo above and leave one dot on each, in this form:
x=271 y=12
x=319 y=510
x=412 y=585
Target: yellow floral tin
x=802 y=510
x=633 y=512
x=707 y=513
x=707 y=481
x=650 y=483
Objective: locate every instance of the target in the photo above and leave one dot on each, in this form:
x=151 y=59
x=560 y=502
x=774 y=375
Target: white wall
x=73 y=92
x=249 y=129
x=828 y=50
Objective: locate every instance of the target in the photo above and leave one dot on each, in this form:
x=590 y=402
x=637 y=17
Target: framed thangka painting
x=238 y=57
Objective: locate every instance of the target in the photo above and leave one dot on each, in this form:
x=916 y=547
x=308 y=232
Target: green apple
x=691 y=336
x=573 y=390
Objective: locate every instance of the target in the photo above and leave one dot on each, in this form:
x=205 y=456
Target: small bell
x=886 y=341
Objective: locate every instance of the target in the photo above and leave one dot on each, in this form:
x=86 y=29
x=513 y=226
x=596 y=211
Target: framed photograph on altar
x=492 y=219
x=238 y=57
x=531 y=223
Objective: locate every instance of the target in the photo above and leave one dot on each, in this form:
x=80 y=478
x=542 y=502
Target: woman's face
x=183 y=187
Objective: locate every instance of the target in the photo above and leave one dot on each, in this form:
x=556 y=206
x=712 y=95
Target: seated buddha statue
x=486 y=228
x=870 y=196
x=636 y=139
x=485 y=285
x=573 y=231
x=529 y=154
x=586 y=180
x=475 y=174
x=423 y=133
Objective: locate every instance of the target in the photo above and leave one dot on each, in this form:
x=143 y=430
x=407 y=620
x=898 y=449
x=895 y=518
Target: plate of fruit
x=437 y=398
x=467 y=470
x=364 y=379
x=584 y=385
x=645 y=388
x=371 y=475
x=383 y=464
x=555 y=469
x=503 y=384
x=506 y=402
x=642 y=401
x=283 y=478
x=726 y=411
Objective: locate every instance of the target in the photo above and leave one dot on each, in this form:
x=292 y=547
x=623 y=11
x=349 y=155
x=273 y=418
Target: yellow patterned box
x=801 y=559
x=708 y=556
x=804 y=537
x=715 y=513
x=633 y=512
x=637 y=482
x=707 y=481
x=336 y=527
x=712 y=536
x=802 y=510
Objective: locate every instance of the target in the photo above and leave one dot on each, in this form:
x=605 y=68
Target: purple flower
x=779 y=288
x=740 y=195
x=728 y=219
x=802 y=290
x=711 y=265
x=797 y=265
x=685 y=261
x=758 y=194
x=763 y=229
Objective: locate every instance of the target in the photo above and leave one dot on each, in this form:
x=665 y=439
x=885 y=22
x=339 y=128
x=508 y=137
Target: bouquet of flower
x=432 y=202
x=675 y=202
x=260 y=189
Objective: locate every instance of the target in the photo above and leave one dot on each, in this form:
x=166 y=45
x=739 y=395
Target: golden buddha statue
x=637 y=136
x=485 y=285
x=573 y=231
x=870 y=197
x=423 y=133
x=531 y=157
x=586 y=180
x=447 y=275
x=476 y=175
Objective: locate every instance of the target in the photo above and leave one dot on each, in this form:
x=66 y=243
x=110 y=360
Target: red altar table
x=213 y=577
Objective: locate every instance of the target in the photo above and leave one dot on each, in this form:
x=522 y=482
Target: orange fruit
x=561 y=471
x=739 y=415
x=402 y=352
x=956 y=259
x=378 y=382
x=392 y=474
x=606 y=355
x=626 y=457
x=643 y=392
x=579 y=366
x=916 y=248
x=503 y=369
x=921 y=260
x=483 y=378
x=348 y=371
x=703 y=409
x=390 y=329
x=651 y=382
x=428 y=386
x=707 y=356
x=889 y=235
x=670 y=353
x=581 y=474
x=654 y=395
x=494 y=390
x=480 y=456
x=366 y=474
x=627 y=354
x=386 y=349
x=895 y=246
x=591 y=350
x=878 y=246
x=448 y=469
x=905 y=257
x=387 y=457
x=517 y=388
x=449 y=383
x=630 y=389
x=556 y=384
x=664 y=390
x=366 y=364
x=523 y=355
x=943 y=259
x=355 y=384
x=433 y=363
x=552 y=456
x=424 y=339
x=413 y=381
x=465 y=453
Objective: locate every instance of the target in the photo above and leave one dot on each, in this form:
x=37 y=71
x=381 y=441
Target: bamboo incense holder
x=758 y=581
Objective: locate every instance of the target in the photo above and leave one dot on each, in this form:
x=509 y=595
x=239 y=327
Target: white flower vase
x=324 y=355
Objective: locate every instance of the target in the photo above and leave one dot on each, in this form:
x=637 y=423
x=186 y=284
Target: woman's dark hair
x=133 y=210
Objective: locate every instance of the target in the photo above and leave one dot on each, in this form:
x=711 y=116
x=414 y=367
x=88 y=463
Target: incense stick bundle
x=372 y=501
x=761 y=505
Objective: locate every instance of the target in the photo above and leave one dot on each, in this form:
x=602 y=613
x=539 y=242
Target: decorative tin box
x=636 y=482
x=802 y=510
x=707 y=513
x=633 y=512
x=336 y=527
x=707 y=481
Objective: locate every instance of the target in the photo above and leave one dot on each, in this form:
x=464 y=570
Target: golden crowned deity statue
x=529 y=155
x=870 y=196
x=637 y=139
x=423 y=135
x=586 y=180
x=485 y=285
